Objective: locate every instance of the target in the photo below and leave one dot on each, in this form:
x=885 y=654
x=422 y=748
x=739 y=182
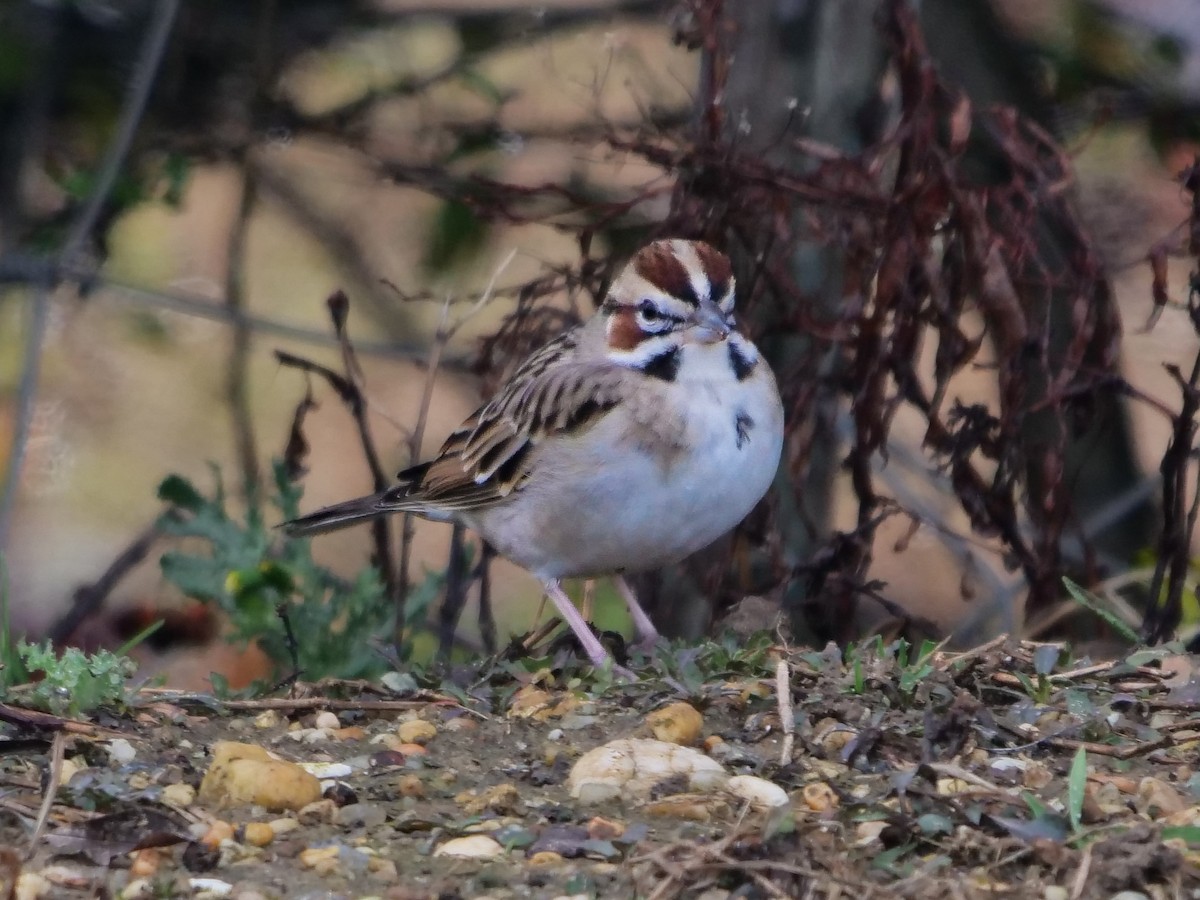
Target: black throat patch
x=742 y=367
x=664 y=366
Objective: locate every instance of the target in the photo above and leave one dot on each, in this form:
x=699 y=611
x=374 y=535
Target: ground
x=1009 y=771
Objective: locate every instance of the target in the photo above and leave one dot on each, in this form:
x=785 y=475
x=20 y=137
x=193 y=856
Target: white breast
x=660 y=477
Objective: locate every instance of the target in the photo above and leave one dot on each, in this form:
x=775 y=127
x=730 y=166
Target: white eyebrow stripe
x=726 y=302
x=685 y=252
x=638 y=288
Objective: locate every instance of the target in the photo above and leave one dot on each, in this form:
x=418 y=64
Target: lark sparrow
x=625 y=444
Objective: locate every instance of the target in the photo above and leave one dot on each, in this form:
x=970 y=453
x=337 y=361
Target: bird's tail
x=339 y=515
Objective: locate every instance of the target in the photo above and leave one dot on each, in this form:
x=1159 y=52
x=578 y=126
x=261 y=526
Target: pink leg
x=642 y=626
x=583 y=632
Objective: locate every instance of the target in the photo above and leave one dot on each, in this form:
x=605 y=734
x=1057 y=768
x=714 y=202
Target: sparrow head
x=671 y=293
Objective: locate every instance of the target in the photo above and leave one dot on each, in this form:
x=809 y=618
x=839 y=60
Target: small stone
x=630 y=768
x=323 y=860
x=602 y=829
x=461 y=725
x=179 y=795
x=350 y=733
x=258 y=834
x=1129 y=895
x=121 y=751
x=138 y=887
x=474 y=846
x=316 y=813
x=546 y=858
x=268 y=718
x=1055 y=892
x=210 y=887
x=217 y=832
x=246 y=773
x=382 y=869
x=679 y=723
x=820 y=797
x=32 y=886
x=70 y=767
x=694 y=808
x=410 y=785
x=416 y=731
x=327 y=720
x=359 y=815
x=500 y=798
x=758 y=792
x=145 y=863
x=284 y=825
x=712 y=742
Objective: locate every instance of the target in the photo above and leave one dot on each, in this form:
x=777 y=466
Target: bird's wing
x=488 y=456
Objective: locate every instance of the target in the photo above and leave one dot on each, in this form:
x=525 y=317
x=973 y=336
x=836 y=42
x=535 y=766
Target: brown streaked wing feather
x=488 y=456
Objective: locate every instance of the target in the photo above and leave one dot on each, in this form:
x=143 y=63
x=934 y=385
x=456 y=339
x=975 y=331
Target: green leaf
x=178 y=490
x=934 y=823
x=455 y=235
x=1045 y=658
x=1076 y=788
x=1091 y=602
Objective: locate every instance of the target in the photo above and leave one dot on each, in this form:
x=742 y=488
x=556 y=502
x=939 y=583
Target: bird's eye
x=650 y=318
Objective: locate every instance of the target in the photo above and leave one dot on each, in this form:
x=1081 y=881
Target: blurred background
x=184 y=184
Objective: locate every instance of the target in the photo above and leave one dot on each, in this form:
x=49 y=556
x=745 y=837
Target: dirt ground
x=1007 y=771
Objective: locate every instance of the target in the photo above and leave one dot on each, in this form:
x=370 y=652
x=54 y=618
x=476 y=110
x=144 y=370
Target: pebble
x=316 y=813
x=678 y=723
x=31 y=886
x=210 y=887
x=546 y=858
x=410 y=785
x=360 y=815
x=179 y=795
x=269 y=718
x=121 y=751
x=145 y=863
x=820 y=797
x=284 y=825
x=246 y=773
x=758 y=792
x=321 y=860
x=258 y=834
x=1056 y=892
x=217 y=832
x=631 y=767
x=327 y=720
x=474 y=846
x=416 y=731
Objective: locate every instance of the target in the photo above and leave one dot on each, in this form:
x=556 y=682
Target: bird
x=630 y=441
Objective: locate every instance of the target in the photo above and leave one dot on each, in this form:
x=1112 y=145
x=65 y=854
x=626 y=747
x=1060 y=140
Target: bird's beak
x=708 y=324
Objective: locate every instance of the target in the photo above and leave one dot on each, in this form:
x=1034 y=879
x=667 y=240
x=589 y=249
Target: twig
x=138 y=92
x=787 y=715
x=53 y=779
x=89 y=598
x=237 y=388
x=445 y=332
x=381 y=529
x=1081 y=874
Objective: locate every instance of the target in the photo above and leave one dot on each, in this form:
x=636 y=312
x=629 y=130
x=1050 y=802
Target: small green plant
x=12 y=666
x=71 y=683
x=1094 y=604
x=1046 y=659
x=257 y=575
x=75 y=682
